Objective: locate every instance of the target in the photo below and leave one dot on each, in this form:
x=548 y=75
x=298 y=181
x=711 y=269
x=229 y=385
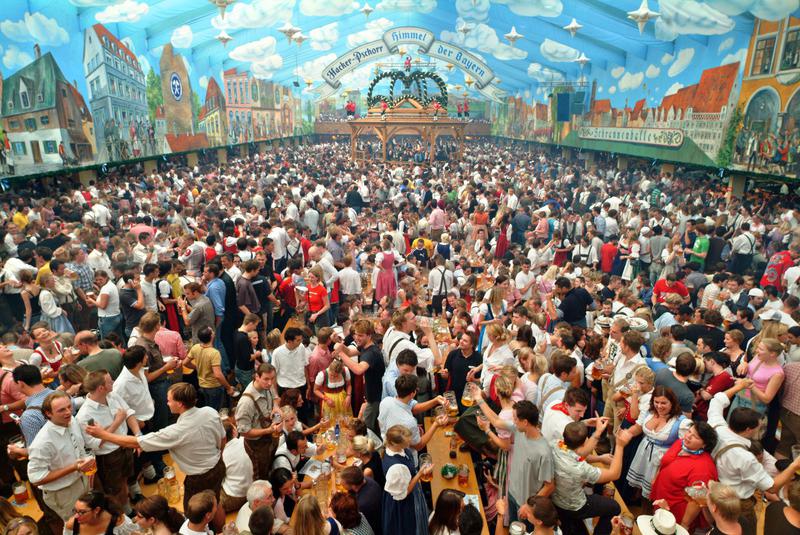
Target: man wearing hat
x=662 y=522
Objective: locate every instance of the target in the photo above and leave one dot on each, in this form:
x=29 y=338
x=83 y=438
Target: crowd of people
x=605 y=335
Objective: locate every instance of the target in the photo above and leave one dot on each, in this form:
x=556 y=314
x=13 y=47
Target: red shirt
x=718 y=383
x=607 y=254
x=305 y=243
x=661 y=289
x=678 y=472
x=778 y=264
x=286 y=292
x=316 y=298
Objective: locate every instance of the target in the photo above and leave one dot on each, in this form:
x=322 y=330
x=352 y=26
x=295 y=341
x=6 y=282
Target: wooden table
x=439 y=450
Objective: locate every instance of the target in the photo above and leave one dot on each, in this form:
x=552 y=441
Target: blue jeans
x=223 y=364
x=243 y=377
x=212 y=397
x=109 y=324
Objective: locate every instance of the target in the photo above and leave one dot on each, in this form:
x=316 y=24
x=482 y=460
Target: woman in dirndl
x=334 y=387
x=631 y=268
x=404 y=508
x=662 y=425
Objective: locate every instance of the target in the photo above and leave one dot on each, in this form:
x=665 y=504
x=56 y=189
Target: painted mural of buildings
x=237 y=101
x=699 y=113
x=117 y=95
x=770 y=98
x=213 y=119
x=258 y=109
x=43 y=115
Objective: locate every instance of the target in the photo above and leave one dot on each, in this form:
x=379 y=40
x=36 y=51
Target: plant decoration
x=415 y=78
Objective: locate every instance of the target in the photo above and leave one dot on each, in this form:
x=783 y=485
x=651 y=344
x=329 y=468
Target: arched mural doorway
x=762 y=112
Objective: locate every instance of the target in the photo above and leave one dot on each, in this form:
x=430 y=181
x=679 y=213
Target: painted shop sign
x=662 y=137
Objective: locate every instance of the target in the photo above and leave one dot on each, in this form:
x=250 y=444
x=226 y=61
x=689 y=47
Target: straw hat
x=661 y=523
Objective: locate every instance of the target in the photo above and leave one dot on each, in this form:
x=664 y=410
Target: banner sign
x=390 y=43
x=662 y=137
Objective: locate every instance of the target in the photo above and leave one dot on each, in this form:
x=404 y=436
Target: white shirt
x=12 y=269
x=103 y=415
x=56 y=447
x=186 y=531
x=290 y=366
x=502 y=356
x=522 y=280
x=234 y=273
x=435 y=280
x=99 y=260
x=392 y=335
x=150 y=294
x=552 y=387
x=133 y=390
x=193 y=441
x=737 y=467
x=101 y=214
x=112 y=304
x=279 y=240
x=142 y=254
x=349 y=282
x=238 y=468
x=553 y=424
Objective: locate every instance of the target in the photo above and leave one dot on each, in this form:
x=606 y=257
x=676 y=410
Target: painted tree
x=154 y=96
x=726 y=151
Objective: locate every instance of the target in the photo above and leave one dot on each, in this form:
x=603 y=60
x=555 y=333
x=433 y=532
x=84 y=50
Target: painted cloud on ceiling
x=555 y=51
x=687 y=17
x=763 y=9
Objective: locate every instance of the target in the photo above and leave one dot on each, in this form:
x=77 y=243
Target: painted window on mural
x=762 y=60
x=791 y=51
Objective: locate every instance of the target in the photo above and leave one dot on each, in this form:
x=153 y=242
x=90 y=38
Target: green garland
x=420 y=77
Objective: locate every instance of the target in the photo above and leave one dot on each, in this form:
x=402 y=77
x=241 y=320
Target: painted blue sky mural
x=227 y=71
x=670 y=52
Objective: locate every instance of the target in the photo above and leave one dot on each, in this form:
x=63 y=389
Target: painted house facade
x=41 y=111
x=116 y=84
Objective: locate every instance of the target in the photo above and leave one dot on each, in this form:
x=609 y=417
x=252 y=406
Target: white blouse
x=47 y=302
x=663 y=433
x=502 y=356
x=398 y=477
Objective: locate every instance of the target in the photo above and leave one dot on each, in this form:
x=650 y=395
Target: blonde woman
x=493 y=308
x=504 y=388
x=308 y=519
x=547 y=281
x=497 y=354
x=363 y=449
x=404 y=508
x=534 y=365
x=766 y=375
x=672 y=255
